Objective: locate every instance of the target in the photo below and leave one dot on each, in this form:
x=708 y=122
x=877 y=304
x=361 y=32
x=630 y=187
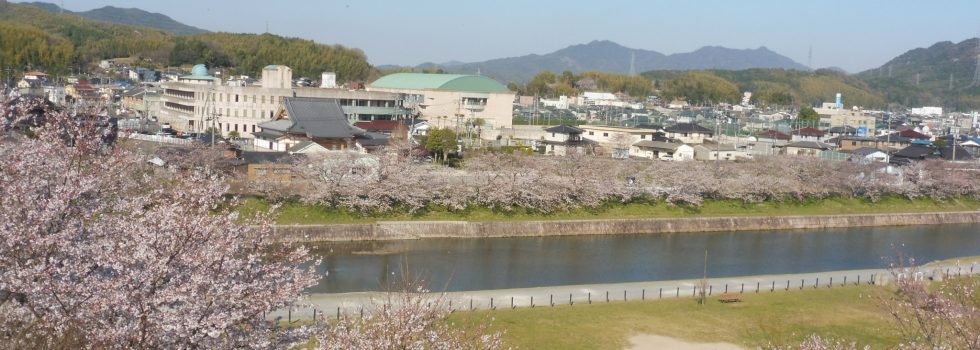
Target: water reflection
x=495 y=263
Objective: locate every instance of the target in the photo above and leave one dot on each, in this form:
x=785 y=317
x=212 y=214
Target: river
x=461 y=264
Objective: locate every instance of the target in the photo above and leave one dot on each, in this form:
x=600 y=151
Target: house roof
x=961 y=153
x=379 y=125
x=865 y=151
x=315 y=117
x=916 y=151
x=810 y=144
x=912 y=134
x=773 y=134
x=670 y=146
x=370 y=139
x=564 y=129
x=688 y=128
x=650 y=126
x=453 y=82
x=306 y=147
x=264 y=157
x=809 y=132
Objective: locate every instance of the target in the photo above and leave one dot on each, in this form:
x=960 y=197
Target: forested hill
x=769 y=87
x=128 y=16
x=940 y=75
x=33 y=38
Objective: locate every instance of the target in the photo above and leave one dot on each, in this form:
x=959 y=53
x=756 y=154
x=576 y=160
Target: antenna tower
x=809 y=58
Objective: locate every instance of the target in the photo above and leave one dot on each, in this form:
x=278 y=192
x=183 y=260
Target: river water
x=499 y=263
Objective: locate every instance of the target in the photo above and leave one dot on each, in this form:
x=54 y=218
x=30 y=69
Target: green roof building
x=466 y=103
x=450 y=82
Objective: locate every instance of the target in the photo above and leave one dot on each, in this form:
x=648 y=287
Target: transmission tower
x=632 y=63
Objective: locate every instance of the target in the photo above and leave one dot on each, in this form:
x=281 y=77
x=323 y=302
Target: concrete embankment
x=395 y=230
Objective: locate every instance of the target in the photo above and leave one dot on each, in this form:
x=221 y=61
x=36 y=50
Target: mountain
x=940 y=75
x=607 y=56
x=128 y=16
x=34 y=38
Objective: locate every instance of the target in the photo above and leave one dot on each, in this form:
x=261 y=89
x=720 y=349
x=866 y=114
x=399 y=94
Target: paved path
x=349 y=304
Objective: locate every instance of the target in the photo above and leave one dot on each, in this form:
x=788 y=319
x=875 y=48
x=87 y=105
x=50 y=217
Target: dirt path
x=656 y=342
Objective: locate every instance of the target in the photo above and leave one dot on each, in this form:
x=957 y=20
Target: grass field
x=783 y=318
x=297 y=213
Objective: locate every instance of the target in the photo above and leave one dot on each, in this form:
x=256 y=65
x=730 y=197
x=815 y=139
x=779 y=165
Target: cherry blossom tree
x=101 y=250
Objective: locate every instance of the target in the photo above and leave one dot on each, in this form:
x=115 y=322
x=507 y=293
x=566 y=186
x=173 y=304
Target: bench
x=729 y=298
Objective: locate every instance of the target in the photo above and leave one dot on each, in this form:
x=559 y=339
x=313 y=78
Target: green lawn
x=297 y=213
x=783 y=318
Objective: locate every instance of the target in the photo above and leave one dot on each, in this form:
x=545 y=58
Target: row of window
x=234 y=127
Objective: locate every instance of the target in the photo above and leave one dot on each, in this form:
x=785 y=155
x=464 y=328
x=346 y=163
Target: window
x=236 y=97
x=591 y=133
x=552 y=134
x=263 y=99
x=854 y=143
x=253 y=127
x=236 y=127
x=643 y=137
x=605 y=134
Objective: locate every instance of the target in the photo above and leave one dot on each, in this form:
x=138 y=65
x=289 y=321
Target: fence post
x=726 y=287
x=607 y=296
x=471 y=303
x=845 y=281
x=695 y=292
x=551 y=300
x=338 y=313
x=314 y=315
x=570 y=299
x=743 y=288
x=816 y=283
x=290 y=315
x=624 y=295
x=661 y=292
x=710 y=288
x=858 y=281
x=532 y=301
x=787 y=285
x=831 y=284
x=511 y=302
x=643 y=294
x=362 y=312
x=757 y=284
x=491 y=303
x=590 y=297
x=772 y=288
x=678 y=292
x=801 y=283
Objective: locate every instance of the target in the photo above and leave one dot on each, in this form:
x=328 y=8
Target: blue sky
x=854 y=35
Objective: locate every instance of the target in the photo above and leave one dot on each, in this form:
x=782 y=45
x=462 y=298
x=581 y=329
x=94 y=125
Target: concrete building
x=616 y=139
x=199 y=101
x=688 y=133
x=453 y=100
x=565 y=139
x=719 y=152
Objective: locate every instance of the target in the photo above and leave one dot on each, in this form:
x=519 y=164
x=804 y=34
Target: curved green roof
x=455 y=82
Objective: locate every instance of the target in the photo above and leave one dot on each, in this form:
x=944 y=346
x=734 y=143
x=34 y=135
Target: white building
x=927 y=111
x=561 y=103
x=199 y=101
x=662 y=150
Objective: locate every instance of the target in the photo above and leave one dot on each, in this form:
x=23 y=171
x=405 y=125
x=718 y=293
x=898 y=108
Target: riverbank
x=405 y=230
x=295 y=213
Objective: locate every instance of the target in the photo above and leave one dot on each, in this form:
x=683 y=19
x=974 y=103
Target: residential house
x=688 y=133
x=662 y=150
x=807 y=134
x=719 y=152
x=914 y=152
x=564 y=139
x=869 y=155
x=955 y=153
x=616 y=139
x=893 y=141
x=806 y=148
x=849 y=142
x=773 y=136
x=841 y=131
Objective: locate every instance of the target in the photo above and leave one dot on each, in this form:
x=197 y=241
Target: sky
x=854 y=35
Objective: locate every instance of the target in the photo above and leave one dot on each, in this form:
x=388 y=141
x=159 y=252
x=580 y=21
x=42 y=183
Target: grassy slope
x=783 y=318
x=294 y=213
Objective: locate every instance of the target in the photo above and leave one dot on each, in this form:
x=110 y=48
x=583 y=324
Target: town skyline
x=851 y=36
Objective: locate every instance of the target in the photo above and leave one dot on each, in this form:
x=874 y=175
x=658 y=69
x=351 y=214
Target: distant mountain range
x=940 y=75
x=607 y=56
x=128 y=16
